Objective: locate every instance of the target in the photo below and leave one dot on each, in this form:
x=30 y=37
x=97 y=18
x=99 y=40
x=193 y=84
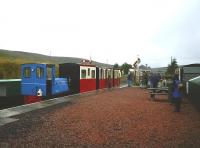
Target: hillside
x=10 y=62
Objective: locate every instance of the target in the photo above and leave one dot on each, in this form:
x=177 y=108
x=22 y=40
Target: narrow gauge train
x=39 y=82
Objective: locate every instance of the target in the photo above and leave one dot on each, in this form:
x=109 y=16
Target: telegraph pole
x=49 y=56
x=171 y=60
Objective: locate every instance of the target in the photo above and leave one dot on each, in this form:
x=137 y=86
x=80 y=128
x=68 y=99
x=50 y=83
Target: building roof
x=161 y=70
x=192 y=65
x=144 y=68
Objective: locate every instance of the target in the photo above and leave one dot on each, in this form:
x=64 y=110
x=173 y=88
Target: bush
x=9 y=70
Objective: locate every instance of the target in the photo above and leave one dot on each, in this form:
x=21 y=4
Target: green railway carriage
x=10 y=93
x=10 y=87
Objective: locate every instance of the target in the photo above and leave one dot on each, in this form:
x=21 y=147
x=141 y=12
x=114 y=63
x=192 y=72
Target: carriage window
x=40 y=72
x=108 y=74
x=83 y=73
x=27 y=72
x=49 y=73
x=116 y=74
x=88 y=71
x=100 y=73
x=93 y=73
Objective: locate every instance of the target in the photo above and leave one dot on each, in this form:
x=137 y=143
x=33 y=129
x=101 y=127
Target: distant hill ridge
x=26 y=57
x=10 y=62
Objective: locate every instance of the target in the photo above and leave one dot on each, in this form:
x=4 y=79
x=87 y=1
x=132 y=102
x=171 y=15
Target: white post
x=187 y=87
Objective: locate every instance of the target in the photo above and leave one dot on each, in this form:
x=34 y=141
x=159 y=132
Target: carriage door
x=98 y=76
x=53 y=83
x=49 y=80
x=41 y=79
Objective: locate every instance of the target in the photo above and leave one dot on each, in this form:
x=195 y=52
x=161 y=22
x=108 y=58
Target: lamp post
x=136 y=67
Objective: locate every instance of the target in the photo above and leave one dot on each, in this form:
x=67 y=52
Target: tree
x=172 y=67
x=116 y=65
x=125 y=67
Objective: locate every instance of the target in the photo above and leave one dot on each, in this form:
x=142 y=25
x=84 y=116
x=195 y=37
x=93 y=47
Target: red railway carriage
x=81 y=77
x=87 y=78
x=116 y=77
x=109 y=77
x=101 y=78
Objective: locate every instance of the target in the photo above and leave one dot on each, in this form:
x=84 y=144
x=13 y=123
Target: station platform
x=6 y=114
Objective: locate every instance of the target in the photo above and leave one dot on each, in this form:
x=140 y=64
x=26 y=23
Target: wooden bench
x=151 y=93
x=157 y=91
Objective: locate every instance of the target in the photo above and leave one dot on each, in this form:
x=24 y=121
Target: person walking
x=176 y=93
x=155 y=79
x=150 y=79
x=129 y=78
x=164 y=82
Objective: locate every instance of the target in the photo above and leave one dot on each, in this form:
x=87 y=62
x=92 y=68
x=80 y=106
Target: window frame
x=25 y=72
x=40 y=73
x=82 y=73
x=93 y=74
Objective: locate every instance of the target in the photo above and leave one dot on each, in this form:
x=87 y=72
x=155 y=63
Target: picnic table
x=158 y=91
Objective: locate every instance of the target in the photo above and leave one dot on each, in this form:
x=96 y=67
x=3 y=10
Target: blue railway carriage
x=39 y=81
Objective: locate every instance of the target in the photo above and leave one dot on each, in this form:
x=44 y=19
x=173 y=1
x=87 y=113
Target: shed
x=190 y=71
x=10 y=93
x=193 y=91
x=10 y=87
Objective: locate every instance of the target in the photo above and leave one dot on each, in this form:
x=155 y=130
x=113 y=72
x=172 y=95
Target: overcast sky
x=109 y=31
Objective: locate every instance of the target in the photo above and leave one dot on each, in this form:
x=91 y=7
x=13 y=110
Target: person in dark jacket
x=129 y=78
x=155 y=79
x=151 y=80
x=176 y=93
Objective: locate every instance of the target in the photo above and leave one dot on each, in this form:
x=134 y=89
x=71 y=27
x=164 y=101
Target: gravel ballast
x=114 y=118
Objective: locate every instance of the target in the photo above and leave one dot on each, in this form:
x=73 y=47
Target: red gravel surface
x=116 y=118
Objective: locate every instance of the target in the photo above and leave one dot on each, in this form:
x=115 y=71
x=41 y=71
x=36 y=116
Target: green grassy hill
x=10 y=62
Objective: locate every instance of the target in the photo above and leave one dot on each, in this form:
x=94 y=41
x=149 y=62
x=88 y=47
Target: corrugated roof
x=192 y=65
x=191 y=70
x=195 y=80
